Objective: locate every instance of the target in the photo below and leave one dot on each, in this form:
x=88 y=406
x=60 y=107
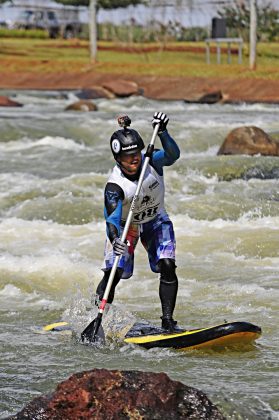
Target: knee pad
x=167 y=270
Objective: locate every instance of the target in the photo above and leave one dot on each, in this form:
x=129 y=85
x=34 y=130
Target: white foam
x=244 y=222
x=21 y=299
x=56 y=142
x=10 y=290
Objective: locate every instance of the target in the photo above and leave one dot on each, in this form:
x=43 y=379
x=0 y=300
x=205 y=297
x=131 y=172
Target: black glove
x=161 y=119
x=119 y=247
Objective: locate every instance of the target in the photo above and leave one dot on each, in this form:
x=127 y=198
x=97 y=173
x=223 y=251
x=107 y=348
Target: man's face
x=130 y=163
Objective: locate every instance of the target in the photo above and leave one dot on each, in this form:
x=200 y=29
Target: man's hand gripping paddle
x=94 y=332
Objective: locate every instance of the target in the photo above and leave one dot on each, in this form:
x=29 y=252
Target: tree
x=94 y=5
x=252 y=23
x=253 y=34
x=238 y=17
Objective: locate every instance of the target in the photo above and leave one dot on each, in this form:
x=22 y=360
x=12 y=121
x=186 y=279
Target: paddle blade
x=94 y=333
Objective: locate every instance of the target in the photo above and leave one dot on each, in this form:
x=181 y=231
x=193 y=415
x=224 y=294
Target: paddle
x=94 y=332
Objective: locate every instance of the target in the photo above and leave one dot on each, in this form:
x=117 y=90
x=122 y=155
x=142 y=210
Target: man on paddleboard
x=150 y=221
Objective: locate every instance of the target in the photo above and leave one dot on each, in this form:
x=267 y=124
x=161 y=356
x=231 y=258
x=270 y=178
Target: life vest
x=151 y=196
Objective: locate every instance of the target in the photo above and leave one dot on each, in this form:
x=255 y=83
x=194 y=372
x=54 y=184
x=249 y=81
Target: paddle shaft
x=127 y=224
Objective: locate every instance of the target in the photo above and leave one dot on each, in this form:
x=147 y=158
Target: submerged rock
x=249 y=141
x=260 y=172
x=102 y=394
x=82 y=105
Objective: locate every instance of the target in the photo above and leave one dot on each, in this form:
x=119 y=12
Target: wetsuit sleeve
x=166 y=156
x=114 y=197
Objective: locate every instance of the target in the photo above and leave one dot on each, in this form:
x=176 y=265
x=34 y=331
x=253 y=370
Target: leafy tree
x=238 y=20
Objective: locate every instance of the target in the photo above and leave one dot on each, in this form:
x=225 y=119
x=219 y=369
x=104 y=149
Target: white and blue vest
x=151 y=196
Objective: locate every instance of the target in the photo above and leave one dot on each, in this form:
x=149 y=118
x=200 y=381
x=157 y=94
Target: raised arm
x=170 y=152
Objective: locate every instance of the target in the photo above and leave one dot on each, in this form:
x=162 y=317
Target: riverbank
x=173 y=71
x=153 y=87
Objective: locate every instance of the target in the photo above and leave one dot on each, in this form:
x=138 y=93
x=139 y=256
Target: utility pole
x=93 y=30
x=253 y=34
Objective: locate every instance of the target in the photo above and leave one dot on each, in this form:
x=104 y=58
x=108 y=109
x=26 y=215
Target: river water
x=53 y=167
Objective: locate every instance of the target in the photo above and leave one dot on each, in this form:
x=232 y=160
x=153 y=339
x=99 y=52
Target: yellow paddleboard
x=223 y=335
x=148 y=336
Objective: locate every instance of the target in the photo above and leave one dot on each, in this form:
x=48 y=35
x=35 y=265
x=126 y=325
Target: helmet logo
x=115 y=145
x=132 y=146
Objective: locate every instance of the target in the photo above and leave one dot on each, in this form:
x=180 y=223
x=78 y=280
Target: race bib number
x=146 y=214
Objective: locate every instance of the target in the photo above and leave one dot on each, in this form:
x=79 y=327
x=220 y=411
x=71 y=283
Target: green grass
x=23 y=33
x=46 y=55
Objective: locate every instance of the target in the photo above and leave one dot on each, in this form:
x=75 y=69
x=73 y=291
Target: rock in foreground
x=101 y=394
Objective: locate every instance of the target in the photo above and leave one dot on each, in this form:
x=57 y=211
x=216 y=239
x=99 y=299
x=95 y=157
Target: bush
x=193 y=34
x=155 y=32
x=23 y=33
x=124 y=33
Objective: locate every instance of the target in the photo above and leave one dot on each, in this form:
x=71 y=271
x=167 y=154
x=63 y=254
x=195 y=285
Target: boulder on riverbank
x=207 y=98
x=249 y=140
x=102 y=394
x=122 y=88
x=95 y=92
